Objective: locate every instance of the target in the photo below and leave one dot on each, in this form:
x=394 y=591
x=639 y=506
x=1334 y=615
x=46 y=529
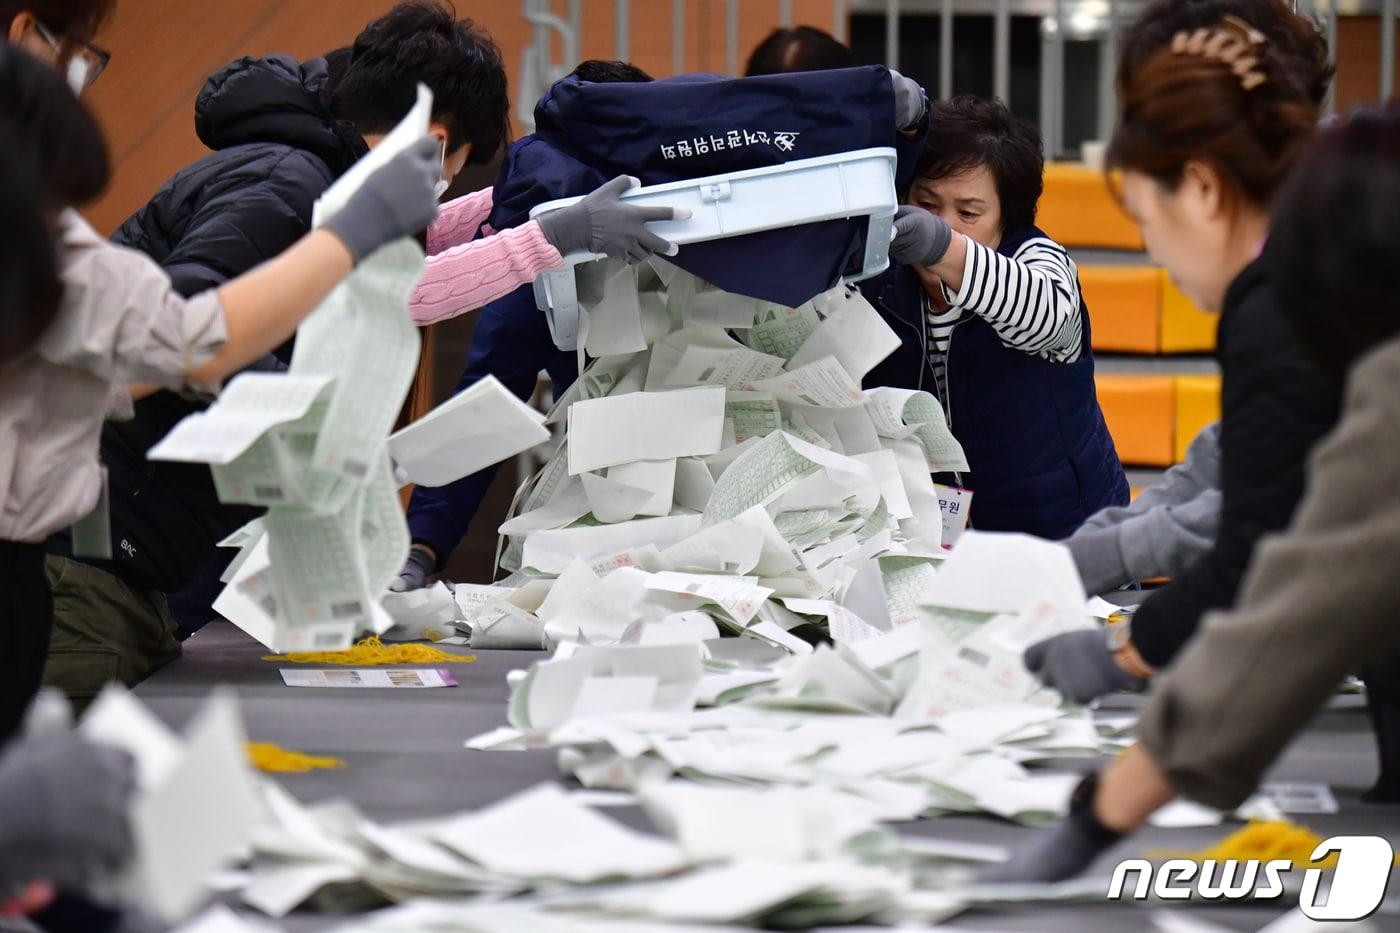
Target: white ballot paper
x=178 y=840
x=478 y=427
x=541 y=833
x=1008 y=573
x=248 y=407
x=853 y=332
x=735 y=368
x=358 y=677
x=901 y=413
x=823 y=383
x=618 y=429
x=781 y=331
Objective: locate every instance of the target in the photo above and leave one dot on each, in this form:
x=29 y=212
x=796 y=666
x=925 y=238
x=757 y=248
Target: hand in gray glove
x=63 y=810
x=416 y=570
x=396 y=201
x=921 y=238
x=604 y=223
x=1062 y=851
x=910 y=101
x=1079 y=665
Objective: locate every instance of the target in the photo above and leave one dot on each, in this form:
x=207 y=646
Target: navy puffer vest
x=1041 y=457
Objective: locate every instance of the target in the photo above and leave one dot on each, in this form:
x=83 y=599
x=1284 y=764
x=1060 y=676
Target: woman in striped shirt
x=995 y=326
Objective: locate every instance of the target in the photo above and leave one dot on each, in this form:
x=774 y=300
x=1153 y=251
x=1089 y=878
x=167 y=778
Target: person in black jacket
x=1205 y=141
x=280 y=138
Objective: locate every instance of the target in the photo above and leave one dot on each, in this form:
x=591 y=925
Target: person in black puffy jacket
x=279 y=141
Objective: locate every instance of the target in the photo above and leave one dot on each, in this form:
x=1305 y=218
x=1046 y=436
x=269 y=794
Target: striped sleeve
x=1031 y=300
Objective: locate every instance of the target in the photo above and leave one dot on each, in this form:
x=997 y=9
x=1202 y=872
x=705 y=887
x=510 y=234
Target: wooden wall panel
x=163 y=50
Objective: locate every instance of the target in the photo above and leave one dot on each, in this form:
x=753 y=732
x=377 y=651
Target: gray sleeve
x=1164 y=530
x=1316 y=603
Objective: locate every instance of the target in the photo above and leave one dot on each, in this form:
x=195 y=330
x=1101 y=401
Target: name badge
x=956 y=505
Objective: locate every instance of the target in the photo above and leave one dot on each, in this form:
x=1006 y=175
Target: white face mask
x=78 y=70
x=443 y=184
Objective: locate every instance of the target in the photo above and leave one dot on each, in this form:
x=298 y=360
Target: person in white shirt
x=119 y=322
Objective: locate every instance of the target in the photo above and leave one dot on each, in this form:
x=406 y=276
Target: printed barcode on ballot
x=326 y=639
x=269 y=492
x=345 y=610
x=976 y=657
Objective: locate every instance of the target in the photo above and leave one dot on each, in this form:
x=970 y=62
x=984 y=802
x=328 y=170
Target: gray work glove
x=920 y=238
x=910 y=101
x=604 y=223
x=63 y=804
x=1080 y=665
x=1062 y=851
x=416 y=570
x=396 y=201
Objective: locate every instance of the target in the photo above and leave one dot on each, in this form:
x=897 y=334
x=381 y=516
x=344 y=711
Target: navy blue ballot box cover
x=691 y=126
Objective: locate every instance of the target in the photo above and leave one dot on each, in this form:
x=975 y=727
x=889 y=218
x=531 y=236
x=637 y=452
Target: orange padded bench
x=1077 y=210
x=1154 y=418
x=1137 y=309
x=1125 y=307
x=1141 y=416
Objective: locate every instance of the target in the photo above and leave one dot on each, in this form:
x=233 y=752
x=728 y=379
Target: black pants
x=26 y=619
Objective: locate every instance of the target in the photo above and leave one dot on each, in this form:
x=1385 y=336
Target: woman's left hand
x=1080 y=665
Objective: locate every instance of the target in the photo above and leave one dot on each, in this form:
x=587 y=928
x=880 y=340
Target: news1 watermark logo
x=1358 y=882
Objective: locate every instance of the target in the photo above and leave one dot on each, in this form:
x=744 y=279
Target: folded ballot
x=483 y=425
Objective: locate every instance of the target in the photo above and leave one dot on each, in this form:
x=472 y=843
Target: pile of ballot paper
x=935 y=715
x=788 y=857
x=723 y=472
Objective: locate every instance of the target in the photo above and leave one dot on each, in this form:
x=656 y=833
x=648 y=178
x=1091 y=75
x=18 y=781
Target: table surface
x=405 y=760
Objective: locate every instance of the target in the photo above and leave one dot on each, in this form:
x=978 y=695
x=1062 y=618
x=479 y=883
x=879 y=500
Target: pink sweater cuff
x=465 y=277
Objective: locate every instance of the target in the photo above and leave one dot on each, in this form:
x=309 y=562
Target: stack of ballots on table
x=936 y=715
x=722 y=472
x=548 y=859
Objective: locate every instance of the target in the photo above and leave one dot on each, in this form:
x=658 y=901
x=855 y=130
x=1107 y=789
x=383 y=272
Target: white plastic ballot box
x=844 y=186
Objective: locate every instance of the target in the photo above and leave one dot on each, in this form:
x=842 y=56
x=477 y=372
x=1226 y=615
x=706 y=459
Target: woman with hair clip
x=1320 y=600
x=1209 y=128
x=1170 y=524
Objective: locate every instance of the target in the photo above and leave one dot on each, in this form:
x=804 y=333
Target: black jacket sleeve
x=248 y=214
x=1275 y=405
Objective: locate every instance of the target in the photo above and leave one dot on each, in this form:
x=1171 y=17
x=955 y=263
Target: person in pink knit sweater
x=464 y=273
